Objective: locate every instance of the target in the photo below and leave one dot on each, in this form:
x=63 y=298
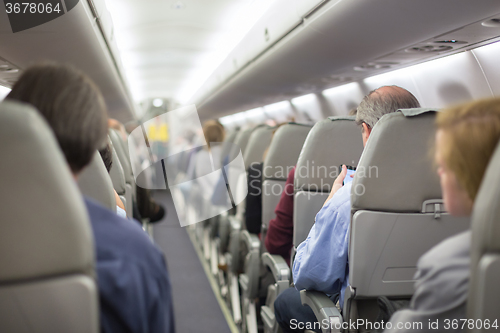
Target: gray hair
x=382 y=101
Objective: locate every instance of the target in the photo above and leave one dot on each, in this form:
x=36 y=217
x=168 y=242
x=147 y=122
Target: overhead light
x=304 y=99
x=157 y=102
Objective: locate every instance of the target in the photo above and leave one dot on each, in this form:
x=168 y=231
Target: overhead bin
x=82 y=37
x=340 y=42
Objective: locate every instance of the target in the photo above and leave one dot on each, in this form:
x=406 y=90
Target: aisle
x=195 y=306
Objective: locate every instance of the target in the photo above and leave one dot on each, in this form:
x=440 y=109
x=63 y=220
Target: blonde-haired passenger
x=466 y=137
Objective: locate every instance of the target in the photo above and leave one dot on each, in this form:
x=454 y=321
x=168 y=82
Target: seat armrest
x=251 y=241
x=277 y=265
x=323 y=308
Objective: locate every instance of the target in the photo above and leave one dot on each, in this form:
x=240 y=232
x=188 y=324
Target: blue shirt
x=321 y=262
x=134 y=287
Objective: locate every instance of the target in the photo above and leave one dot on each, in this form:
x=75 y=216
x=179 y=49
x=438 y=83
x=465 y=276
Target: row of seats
x=397 y=215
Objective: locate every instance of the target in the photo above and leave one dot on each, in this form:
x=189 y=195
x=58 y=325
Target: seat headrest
x=284 y=150
x=44 y=226
x=486 y=212
x=257 y=145
x=95 y=183
x=395 y=172
x=330 y=143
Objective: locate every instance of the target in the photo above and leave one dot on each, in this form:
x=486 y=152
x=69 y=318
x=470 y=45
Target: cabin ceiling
x=169 y=48
x=72 y=38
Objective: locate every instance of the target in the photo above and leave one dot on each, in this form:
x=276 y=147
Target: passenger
x=466 y=138
x=134 y=287
x=279 y=237
x=321 y=261
x=107 y=158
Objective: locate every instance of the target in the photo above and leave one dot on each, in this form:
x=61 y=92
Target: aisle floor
x=195 y=306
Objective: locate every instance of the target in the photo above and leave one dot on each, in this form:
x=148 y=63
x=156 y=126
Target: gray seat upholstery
x=241 y=139
x=484 y=292
x=118 y=179
x=330 y=143
x=46 y=245
x=281 y=158
x=397 y=214
x=124 y=159
x=282 y=155
x=95 y=183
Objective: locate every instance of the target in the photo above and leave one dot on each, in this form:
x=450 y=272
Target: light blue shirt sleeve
x=321 y=261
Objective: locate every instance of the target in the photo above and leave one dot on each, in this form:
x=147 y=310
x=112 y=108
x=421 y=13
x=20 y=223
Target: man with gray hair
x=321 y=261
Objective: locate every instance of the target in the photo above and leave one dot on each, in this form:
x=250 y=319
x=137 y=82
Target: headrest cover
x=44 y=226
x=486 y=212
x=257 y=145
x=330 y=143
x=95 y=183
x=284 y=150
x=395 y=172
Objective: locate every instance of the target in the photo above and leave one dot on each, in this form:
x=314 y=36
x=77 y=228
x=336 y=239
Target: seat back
x=46 y=245
x=117 y=175
x=282 y=156
x=257 y=145
x=123 y=156
x=258 y=142
x=330 y=143
x=398 y=213
x=94 y=182
x=484 y=292
x=241 y=139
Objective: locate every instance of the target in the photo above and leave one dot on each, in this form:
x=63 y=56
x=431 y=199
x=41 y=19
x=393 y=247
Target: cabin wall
x=438 y=83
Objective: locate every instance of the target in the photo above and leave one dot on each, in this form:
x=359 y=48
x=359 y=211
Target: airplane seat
x=330 y=143
x=252 y=142
x=484 y=291
x=282 y=155
x=118 y=179
x=95 y=183
x=47 y=280
x=124 y=158
x=397 y=214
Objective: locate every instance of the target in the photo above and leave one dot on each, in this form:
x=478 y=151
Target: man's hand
x=338 y=183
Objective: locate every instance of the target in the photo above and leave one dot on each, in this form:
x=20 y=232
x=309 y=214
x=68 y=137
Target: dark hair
x=72 y=105
x=107 y=156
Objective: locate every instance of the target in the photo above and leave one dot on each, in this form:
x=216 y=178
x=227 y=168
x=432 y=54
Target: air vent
x=493 y=23
x=429 y=49
x=450 y=41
